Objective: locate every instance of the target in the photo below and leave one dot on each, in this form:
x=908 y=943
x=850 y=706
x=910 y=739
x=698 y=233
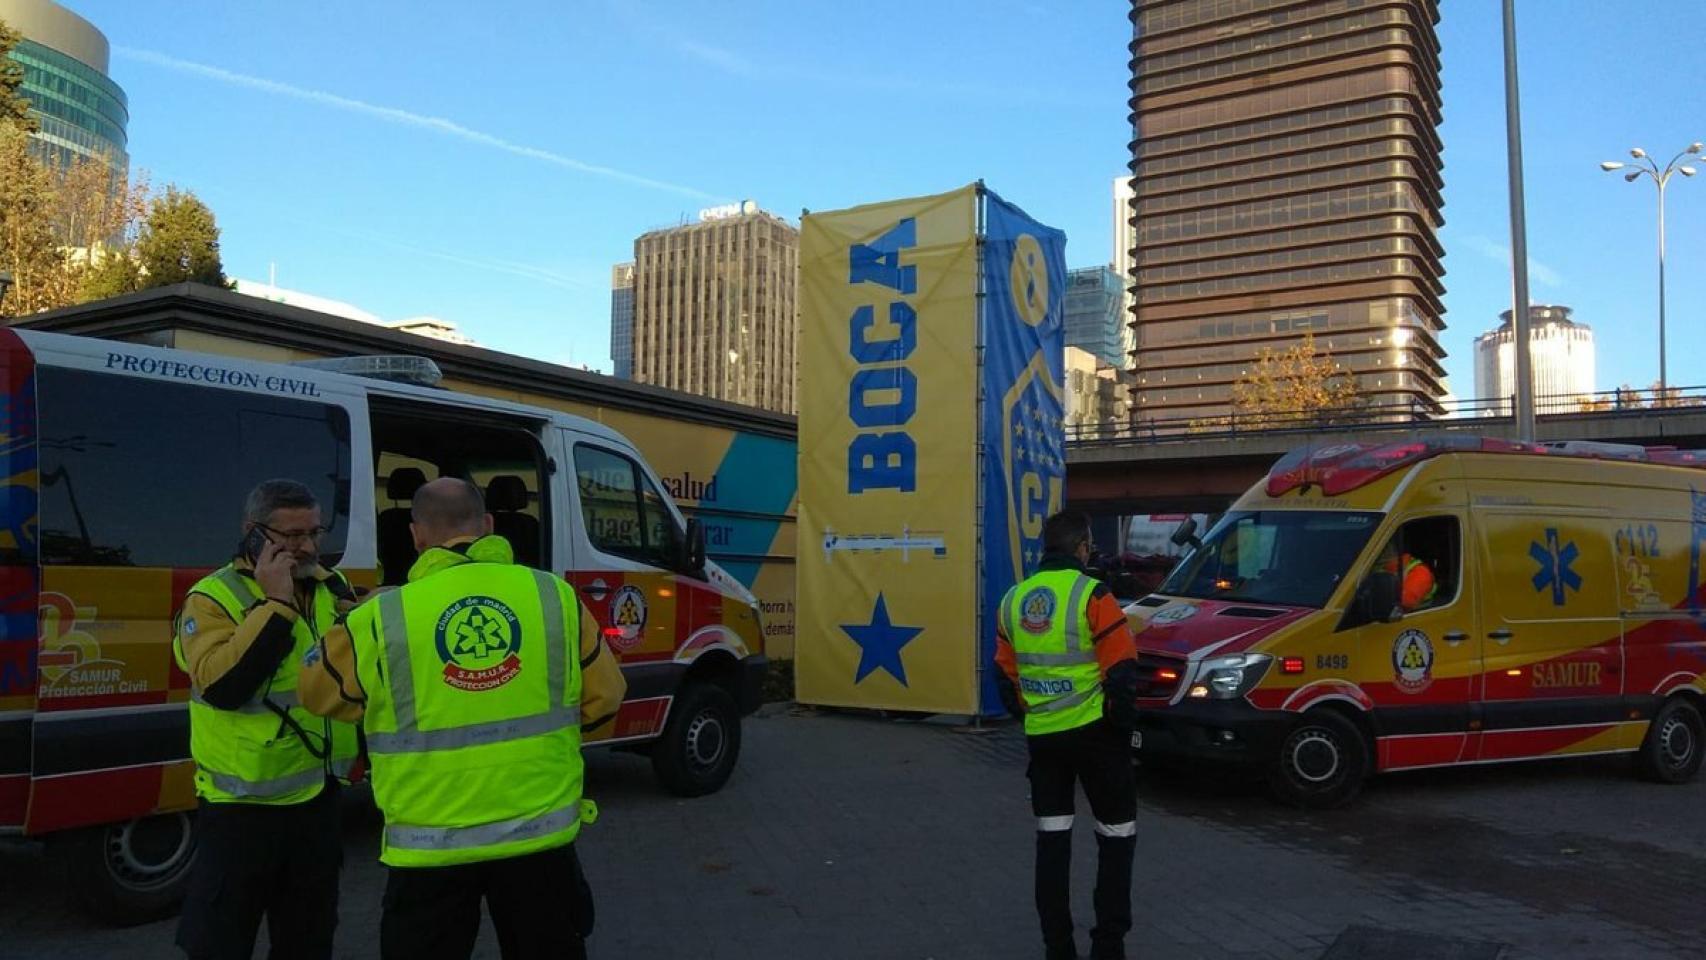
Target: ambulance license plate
x=1137 y=740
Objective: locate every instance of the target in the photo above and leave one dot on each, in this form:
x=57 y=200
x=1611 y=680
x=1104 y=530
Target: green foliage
x=179 y=243
x=13 y=107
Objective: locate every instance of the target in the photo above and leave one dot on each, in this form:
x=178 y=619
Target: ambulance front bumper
x=1216 y=731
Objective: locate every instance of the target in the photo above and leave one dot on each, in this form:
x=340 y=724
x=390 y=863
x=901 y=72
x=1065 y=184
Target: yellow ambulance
x=1457 y=600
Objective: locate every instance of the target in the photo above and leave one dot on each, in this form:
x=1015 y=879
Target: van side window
x=625 y=514
x=1424 y=555
x=143 y=473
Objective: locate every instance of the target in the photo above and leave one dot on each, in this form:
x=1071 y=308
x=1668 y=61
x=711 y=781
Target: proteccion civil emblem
x=479 y=640
x=1036 y=611
x=627 y=618
x=1413 y=661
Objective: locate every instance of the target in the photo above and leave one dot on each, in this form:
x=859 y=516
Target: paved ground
x=852 y=838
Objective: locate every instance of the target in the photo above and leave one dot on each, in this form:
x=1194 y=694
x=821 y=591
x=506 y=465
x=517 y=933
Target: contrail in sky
x=407 y=118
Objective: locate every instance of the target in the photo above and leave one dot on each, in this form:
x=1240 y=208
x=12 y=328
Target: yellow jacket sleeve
x=327 y=685
x=231 y=662
x=602 y=683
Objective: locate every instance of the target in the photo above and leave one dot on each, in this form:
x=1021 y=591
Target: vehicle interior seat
x=506 y=498
x=396 y=546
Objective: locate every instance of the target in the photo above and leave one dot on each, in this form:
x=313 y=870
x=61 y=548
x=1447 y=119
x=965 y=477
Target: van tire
x=1322 y=762
x=132 y=872
x=1675 y=743
x=700 y=743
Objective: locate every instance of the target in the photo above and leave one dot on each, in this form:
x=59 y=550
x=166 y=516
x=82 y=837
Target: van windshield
x=1292 y=557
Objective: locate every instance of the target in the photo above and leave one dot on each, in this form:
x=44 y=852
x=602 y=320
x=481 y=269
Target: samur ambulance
x=125 y=467
x=1565 y=615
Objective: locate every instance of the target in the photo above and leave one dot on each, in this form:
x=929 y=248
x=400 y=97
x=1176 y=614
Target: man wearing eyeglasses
x=266 y=770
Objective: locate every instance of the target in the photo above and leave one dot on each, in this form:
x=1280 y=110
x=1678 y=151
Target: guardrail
x=1390 y=415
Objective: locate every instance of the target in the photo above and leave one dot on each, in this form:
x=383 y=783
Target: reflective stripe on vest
x=248 y=753
x=463 y=773
x=410 y=738
x=484 y=835
x=290 y=783
x=1059 y=676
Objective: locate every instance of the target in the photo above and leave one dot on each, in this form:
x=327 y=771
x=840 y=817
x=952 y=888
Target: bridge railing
x=1388 y=415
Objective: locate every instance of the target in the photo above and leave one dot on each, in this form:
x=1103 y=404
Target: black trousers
x=253 y=860
x=1098 y=756
x=540 y=904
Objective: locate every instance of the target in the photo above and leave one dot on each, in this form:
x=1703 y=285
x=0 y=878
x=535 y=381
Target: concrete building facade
x=1287 y=182
x=1560 y=349
x=83 y=113
x=622 y=321
x=715 y=312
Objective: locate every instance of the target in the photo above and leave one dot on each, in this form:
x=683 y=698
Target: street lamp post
x=1645 y=166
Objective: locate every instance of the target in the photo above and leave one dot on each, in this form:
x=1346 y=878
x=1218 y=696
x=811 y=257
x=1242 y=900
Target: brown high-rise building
x=1287 y=182
x=714 y=309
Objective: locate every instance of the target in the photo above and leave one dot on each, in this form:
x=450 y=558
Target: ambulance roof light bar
x=1340 y=468
x=397 y=368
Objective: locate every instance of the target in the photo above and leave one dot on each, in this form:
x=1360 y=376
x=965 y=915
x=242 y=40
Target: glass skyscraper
x=1287 y=182
x=1095 y=320
x=83 y=113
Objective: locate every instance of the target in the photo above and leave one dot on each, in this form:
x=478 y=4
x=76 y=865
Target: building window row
x=1369 y=199
x=1153 y=174
x=1289 y=98
x=1182 y=150
x=1280 y=259
x=1317 y=44
x=1339 y=155
x=1385 y=170
x=1300 y=237
x=1179 y=16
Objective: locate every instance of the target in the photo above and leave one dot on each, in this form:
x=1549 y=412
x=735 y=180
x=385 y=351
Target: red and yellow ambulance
x=1370 y=608
x=124 y=470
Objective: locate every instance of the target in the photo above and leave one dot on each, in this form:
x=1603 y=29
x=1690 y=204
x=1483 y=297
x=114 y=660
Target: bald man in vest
x=474 y=682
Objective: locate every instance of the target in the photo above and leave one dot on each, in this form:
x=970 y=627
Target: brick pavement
x=848 y=837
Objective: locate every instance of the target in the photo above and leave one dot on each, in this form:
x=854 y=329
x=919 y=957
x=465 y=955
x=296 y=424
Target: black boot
x=1113 y=897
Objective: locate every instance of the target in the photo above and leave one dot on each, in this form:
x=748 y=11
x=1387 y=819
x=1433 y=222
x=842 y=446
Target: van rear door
x=1554 y=679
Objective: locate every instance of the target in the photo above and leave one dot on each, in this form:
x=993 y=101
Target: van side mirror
x=1380 y=598
x=1186 y=533
x=692 y=558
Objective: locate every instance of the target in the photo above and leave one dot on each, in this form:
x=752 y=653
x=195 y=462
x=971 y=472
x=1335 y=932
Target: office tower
x=83 y=114
x=1560 y=349
x=714 y=307
x=1288 y=182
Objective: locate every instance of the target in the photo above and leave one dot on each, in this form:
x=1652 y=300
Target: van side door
x=1554 y=678
x=1420 y=669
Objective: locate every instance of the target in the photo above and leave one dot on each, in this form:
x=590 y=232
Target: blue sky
x=488 y=168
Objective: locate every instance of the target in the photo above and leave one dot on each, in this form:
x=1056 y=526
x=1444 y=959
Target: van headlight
x=1228 y=678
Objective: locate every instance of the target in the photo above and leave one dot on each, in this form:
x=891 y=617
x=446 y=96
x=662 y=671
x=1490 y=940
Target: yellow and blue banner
x=887 y=572
x=1023 y=417
x=923 y=476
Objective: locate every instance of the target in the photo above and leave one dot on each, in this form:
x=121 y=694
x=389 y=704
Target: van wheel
x=701 y=742
x=130 y=873
x=1322 y=763
x=1672 y=751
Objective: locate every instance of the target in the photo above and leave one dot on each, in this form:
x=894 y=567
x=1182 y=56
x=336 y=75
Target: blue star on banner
x=880 y=642
x=1555 y=563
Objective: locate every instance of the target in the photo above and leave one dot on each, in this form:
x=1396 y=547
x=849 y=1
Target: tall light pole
x=1519 y=238
x=1645 y=166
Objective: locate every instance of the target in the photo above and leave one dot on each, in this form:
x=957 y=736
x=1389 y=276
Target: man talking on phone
x=266 y=770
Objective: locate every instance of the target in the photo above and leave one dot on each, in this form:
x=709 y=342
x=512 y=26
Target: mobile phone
x=253 y=543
